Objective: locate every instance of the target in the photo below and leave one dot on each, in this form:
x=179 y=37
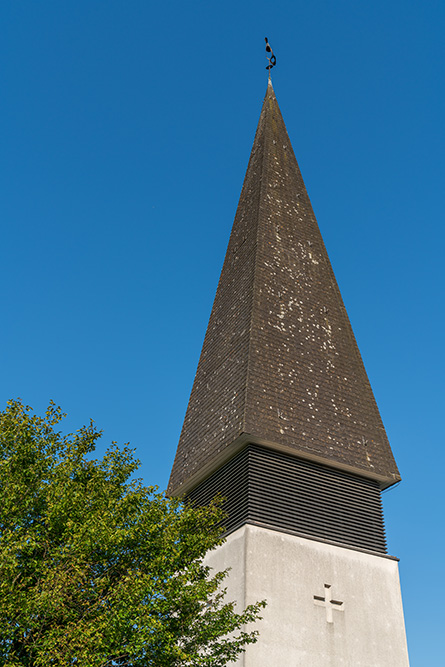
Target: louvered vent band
x=280 y=491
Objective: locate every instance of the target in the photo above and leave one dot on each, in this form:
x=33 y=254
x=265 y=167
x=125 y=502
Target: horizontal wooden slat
x=277 y=489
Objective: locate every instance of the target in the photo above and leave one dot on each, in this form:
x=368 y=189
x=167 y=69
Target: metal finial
x=272 y=60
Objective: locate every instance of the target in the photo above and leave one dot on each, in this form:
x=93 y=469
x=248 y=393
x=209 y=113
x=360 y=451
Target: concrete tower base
x=327 y=606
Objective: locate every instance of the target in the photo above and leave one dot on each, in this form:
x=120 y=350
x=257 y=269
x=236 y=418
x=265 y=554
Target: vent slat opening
x=277 y=489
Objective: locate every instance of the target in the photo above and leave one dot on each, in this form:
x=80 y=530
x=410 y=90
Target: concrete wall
x=365 y=630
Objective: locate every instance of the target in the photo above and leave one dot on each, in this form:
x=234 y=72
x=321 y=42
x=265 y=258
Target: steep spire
x=280 y=365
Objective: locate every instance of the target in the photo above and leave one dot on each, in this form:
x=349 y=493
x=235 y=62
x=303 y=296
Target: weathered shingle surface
x=279 y=360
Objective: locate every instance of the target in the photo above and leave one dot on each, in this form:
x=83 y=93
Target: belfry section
x=267 y=488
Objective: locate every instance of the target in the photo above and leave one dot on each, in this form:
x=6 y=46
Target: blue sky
x=125 y=130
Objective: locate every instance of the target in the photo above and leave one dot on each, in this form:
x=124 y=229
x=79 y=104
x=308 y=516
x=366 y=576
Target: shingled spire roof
x=279 y=365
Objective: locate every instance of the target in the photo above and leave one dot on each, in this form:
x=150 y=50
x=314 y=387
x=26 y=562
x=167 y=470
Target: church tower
x=283 y=423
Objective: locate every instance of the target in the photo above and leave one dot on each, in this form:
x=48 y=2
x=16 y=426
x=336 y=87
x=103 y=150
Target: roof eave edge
x=384 y=481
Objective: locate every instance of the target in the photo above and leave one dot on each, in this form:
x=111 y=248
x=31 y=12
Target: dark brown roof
x=279 y=365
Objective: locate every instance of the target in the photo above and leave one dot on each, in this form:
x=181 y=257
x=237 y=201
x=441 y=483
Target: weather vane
x=272 y=60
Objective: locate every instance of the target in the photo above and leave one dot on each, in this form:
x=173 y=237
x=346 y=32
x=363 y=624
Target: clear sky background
x=125 y=131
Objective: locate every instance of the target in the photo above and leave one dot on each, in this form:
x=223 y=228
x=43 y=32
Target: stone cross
x=328 y=602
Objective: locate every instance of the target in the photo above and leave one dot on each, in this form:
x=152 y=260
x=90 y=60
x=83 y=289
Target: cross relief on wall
x=328 y=603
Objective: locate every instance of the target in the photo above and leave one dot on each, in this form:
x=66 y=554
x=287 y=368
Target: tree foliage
x=95 y=568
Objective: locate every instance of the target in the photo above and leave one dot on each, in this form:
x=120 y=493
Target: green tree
x=98 y=570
